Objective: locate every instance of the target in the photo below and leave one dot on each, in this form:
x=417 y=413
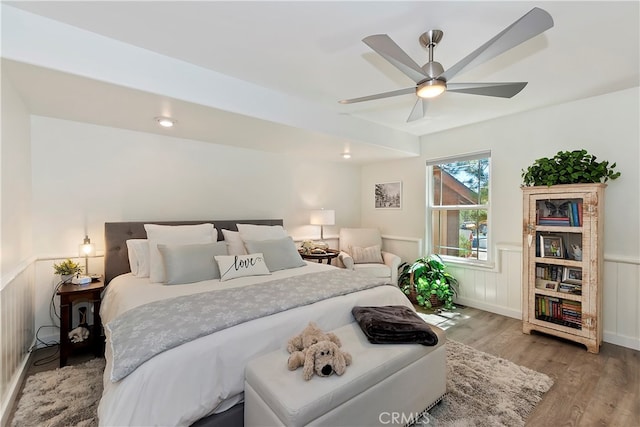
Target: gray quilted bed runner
x=143 y=332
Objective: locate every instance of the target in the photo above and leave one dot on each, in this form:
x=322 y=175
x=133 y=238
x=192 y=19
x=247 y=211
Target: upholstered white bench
x=384 y=382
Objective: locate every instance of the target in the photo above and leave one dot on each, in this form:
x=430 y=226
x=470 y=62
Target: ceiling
x=268 y=75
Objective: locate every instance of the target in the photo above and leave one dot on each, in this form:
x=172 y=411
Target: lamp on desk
x=323 y=217
x=86 y=250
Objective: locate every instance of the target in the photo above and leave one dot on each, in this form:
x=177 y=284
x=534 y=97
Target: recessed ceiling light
x=165 y=122
x=346 y=155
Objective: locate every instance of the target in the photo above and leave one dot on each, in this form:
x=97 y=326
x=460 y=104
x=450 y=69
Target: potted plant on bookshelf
x=67 y=269
x=568 y=167
x=427 y=284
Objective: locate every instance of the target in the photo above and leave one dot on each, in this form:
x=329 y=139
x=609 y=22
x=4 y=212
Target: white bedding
x=206 y=376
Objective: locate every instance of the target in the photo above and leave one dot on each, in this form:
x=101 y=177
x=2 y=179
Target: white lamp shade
x=323 y=217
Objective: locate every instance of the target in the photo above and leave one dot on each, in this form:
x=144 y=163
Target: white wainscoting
x=407 y=248
x=621 y=301
x=499 y=289
x=16 y=333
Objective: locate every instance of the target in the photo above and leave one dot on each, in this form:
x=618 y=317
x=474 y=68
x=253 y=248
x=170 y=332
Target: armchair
x=358 y=252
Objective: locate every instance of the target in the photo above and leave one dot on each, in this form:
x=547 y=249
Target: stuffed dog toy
x=309 y=336
x=317 y=352
x=323 y=359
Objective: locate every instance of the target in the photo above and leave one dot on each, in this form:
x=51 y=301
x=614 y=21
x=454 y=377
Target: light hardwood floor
x=589 y=389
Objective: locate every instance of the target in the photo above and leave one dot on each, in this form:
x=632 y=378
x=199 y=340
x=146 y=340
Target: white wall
x=607 y=126
x=85 y=175
x=16 y=276
x=15 y=225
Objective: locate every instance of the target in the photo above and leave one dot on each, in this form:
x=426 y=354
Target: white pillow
x=138 y=250
x=191 y=263
x=174 y=234
x=370 y=255
x=233 y=266
x=235 y=245
x=279 y=254
x=260 y=232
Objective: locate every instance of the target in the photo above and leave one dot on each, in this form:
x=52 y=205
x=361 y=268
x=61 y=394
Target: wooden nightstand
x=328 y=256
x=70 y=294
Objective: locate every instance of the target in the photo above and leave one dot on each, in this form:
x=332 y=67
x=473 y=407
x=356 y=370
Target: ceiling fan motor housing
x=433 y=69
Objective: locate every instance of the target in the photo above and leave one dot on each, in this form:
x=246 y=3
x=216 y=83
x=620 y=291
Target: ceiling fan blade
x=530 y=25
x=380 y=95
x=389 y=50
x=502 y=90
x=418 y=111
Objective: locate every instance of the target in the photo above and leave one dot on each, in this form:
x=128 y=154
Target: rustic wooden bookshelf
x=562 y=262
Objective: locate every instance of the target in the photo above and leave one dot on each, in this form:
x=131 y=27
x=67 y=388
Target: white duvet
x=205 y=376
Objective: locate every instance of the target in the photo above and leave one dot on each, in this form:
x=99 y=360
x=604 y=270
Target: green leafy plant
x=568 y=167
x=426 y=277
x=67 y=267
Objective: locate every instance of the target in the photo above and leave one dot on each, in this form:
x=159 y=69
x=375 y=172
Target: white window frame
x=430 y=208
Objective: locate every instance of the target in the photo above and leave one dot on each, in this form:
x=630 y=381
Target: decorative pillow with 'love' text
x=233 y=266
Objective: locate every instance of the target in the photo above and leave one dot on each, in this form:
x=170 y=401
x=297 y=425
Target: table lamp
x=323 y=217
x=86 y=250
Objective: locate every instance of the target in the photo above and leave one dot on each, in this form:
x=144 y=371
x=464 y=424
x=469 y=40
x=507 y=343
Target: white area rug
x=62 y=397
x=483 y=390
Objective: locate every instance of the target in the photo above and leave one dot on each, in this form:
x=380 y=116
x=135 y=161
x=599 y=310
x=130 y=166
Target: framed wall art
x=388 y=195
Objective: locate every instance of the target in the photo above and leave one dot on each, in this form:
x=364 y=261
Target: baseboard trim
x=504 y=311
x=621 y=340
x=608 y=337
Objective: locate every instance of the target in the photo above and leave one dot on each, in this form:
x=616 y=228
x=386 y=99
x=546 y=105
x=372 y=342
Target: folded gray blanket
x=393 y=324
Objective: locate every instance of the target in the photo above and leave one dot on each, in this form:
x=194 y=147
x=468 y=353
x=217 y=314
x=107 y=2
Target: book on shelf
x=550 y=272
x=580 y=213
x=574 y=214
x=554 y=220
x=559 y=311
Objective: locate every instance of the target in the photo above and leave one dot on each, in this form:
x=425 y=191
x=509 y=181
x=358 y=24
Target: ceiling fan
x=432 y=80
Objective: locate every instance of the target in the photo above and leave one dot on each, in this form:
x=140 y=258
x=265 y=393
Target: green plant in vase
x=427 y=283
x=67 y=268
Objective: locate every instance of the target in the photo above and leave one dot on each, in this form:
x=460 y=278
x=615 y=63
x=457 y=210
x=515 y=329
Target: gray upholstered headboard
x=116 y=234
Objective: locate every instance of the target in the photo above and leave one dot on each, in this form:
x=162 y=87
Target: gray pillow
x=191 y=263
x=279 y=254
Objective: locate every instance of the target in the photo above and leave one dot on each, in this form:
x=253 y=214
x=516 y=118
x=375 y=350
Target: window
x=458 y=207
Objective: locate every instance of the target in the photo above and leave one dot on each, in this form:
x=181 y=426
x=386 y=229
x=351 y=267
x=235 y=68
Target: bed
x=200 y=381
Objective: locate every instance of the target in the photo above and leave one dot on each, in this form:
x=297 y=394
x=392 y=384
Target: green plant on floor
x=67 y=267
x=425 y=280
x=568 y=167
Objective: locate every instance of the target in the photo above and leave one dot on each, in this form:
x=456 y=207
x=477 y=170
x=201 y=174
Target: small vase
x=66 y=278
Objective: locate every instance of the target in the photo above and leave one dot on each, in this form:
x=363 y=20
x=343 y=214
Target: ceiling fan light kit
x=432 y=80
x=431 y=88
